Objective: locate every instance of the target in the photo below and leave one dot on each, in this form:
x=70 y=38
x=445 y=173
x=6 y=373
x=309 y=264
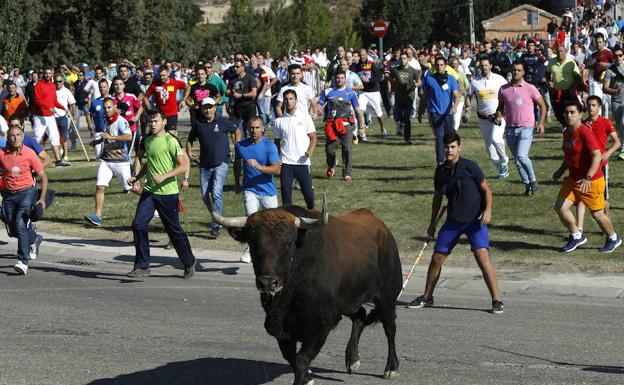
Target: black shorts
x=172 y=123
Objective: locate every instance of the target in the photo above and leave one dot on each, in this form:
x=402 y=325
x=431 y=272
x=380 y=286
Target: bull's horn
x=325 y=210
x=225 y=221
x=304 y=223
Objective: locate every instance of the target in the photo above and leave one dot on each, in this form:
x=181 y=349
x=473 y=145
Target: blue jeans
x=15 y=211
x=264 y=110
x=63 y=127
x=442 y=125
x=80 y=111
x=212 y=181
x=167 y=207
x=519 y=140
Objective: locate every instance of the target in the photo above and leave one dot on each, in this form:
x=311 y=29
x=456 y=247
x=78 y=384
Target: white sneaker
x=34 y=248
x=156 y=215
x=21 y=268
x=246 y=257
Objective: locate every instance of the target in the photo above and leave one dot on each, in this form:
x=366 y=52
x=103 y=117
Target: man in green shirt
x=165 y=160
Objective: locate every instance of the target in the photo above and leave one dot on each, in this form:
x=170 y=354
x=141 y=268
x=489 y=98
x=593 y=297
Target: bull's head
x=273 y=236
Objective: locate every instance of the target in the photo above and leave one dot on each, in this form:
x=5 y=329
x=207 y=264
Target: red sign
x=380 y=28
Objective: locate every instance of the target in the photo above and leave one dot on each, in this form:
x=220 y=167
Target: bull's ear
x=238 y=233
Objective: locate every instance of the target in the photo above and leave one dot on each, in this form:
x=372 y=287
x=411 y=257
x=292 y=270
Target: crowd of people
x=131 y=114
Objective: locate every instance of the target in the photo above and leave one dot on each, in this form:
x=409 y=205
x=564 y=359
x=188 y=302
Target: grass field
x=395 y=181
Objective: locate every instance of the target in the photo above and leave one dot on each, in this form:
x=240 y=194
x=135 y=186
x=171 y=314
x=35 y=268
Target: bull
x=312 y=268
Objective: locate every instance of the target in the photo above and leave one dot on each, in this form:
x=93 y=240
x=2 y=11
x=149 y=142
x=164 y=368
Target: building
x=512 y=23
x=215 y=10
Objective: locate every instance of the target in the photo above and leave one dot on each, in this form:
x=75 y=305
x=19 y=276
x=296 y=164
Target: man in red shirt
x=18 y=163
x=603 y=129
x=584 y=183
x=43 y=114
x=596 y=65
x=166 y=91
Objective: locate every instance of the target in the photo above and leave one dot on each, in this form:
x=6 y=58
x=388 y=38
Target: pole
x=79 y=138
x=473 y=40
x=381 y=51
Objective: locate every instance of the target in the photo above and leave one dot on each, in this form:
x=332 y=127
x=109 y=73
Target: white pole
x=472 y=30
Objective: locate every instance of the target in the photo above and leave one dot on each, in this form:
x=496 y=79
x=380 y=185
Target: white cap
x=603 y=32
x=208 y=101
x=568 y=14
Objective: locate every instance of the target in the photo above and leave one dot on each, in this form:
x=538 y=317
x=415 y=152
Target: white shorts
x=46 y=125
x=372 y=100
x=106 y=171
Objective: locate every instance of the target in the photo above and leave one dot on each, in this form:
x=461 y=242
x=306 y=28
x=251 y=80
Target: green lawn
x=395 y=181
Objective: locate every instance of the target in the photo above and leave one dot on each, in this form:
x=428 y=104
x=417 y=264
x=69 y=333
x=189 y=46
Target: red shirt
x=601 y=128
x=166 y=95
x=605 y=55
x=45 y=98
x=577 y=148
x=17 y=169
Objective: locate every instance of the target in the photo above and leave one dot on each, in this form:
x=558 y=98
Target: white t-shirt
x=293 y=132
x=304 y=92
x=486 y=91
x=414 y=64
x=465 y=63
x=65 y=97
x=4 y=127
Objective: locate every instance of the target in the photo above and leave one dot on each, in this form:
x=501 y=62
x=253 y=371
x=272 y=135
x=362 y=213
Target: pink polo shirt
x=519 y=101
x=17 y=168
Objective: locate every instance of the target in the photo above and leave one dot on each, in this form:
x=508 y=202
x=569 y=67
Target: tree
x=20 y=20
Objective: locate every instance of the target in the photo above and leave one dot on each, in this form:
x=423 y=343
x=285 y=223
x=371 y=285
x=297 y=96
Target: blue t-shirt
x=339 y=102
x=99 y=115
x=214 y=147
x=440 y=93
x=254 y=180
x=31 y=143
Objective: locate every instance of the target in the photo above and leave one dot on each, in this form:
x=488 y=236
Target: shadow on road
x=403 y=304
x=221 y=371
x=156 y=261
x=584 y=367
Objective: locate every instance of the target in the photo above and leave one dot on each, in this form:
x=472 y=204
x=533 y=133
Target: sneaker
x=246 y=257
x=408 y=141
x=610 y=245
x=347 y=178
x=497 y=307
x=574 y=243
x=330 y=172
x=503 y=171
x=363 y=138
x=156 y=215
x=94 y=220
x=384 y=134
x=61 y=163
x=356 y=140
x=21 y=268
x=188 y=272
x=34 y=248
x=535 y=188
x=420 y=302
x=621 y=156
x=215 y=232
x=138 y=272
x=66 y=158
x=527 y=190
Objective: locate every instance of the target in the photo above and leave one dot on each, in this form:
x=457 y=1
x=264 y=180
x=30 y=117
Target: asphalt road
x=75 y=319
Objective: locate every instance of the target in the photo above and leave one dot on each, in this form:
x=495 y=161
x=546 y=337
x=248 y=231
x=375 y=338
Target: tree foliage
x=20 y=19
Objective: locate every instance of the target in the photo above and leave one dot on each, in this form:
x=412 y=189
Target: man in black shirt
x=469 y=211
x=242 y=92
x=130 y=86
x=200 y=91
x=371 y=74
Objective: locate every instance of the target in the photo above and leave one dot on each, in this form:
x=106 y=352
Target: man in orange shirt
x=18 y=163
x=13 y=103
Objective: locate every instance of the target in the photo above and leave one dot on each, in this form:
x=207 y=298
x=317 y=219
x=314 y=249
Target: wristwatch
x=587 y=177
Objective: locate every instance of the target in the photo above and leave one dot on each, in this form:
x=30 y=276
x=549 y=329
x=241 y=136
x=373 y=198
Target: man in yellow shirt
x=563 y=76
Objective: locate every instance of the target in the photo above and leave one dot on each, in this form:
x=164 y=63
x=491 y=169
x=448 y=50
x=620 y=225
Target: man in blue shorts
x=469 y=211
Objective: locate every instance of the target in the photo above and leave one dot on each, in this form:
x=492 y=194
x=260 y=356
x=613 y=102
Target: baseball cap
x=208 y=102
x=36 y=213
x=90 y=74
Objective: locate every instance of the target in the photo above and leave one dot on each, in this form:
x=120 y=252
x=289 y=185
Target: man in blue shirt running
x=443 y=98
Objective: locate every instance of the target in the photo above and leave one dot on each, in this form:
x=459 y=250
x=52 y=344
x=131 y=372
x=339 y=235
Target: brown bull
x=311 y=269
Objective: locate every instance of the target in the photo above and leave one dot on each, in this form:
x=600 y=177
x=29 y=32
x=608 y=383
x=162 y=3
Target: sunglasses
x=255 y=127
x=619 y=54
x=58 y=81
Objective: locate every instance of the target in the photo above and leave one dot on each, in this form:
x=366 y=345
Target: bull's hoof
x=391 y=374
x=354 y=367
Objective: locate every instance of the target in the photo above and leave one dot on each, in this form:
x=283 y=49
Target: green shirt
x=563 y=74
x=162 y=157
